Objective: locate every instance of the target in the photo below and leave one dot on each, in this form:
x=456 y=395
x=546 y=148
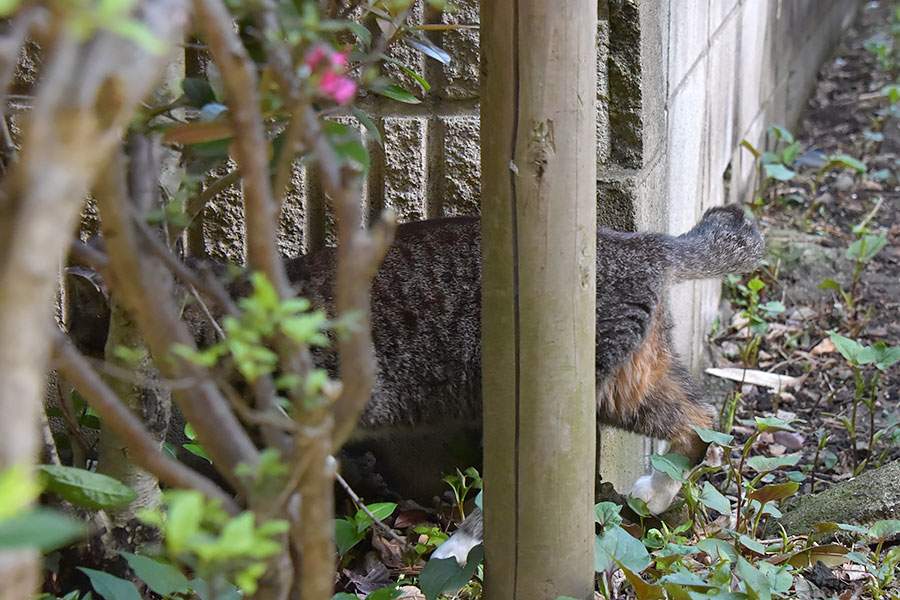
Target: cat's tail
x=725 y=241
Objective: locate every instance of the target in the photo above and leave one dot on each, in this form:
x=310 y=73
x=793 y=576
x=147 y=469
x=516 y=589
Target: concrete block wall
x=681 y=83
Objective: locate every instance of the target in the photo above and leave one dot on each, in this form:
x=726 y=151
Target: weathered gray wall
x=681 y=83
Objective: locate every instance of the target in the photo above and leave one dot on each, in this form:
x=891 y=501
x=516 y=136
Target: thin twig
x=209 y=287
x=239 y=78
x=196 y=205
x=359 y=503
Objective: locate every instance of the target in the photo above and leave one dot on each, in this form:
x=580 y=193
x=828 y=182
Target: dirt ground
x=809 y=226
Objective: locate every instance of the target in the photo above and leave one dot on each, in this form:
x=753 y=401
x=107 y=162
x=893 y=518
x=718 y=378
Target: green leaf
x=790 y=154
x=17 y=490
x=773 y=307
x=751 y=544
x=830 y=284
x=391 y=592
x=110 y=586
x=642 y=589
x=8 y=7
x=717 y=549
x=41 y=528
x=711 y=436
x=772 y=424
x=769 y=158
x=344 y=596
x=355 y=151
x=755 y=582
x=755 y=284
x=844 y=160
x=363 y=34
x=882 y=530
x=673 y=465
x=892 y=91
x=368 y=123
x=616 y=543
x=381 y=510
x=162 y=578
x=86 y=489
x=397 y=93
x=198 y=91
x=863 y=249
x=778 y=171
x=346 y=535
x=606 y=514
x=445 y=574
x=850 y=349
x=770 y=463
x=713 y=498
x=780 y=133
x=182 y=518
x=780 y=579
x=885 y=357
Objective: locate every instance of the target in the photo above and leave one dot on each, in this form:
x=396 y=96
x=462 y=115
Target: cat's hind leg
x=670 y=411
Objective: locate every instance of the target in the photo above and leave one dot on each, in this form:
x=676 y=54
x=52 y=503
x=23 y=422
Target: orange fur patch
x=623 y=393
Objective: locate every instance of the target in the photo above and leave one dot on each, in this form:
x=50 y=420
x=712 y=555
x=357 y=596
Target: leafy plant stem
x=860 y=388
x=738 y=475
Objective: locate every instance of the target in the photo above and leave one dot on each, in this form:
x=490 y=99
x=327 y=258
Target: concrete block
x=602 y=122
x=687 y=145
x=623 y=457
x=461 y=76
x=223 y=223
x=720 y=11
x=683 y=302
x=405 y=176
x=654 y=23
x=652 y=203
x=755 y=64
x=616 y=199
x=624 y=76
x=293 y=215
x=459 y=166
x=721 y=85
x=688 y=37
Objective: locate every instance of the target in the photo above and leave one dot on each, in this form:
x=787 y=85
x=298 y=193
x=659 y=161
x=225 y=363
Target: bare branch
x=209 y=287
x=359 y=503
x=141 y=445
x=218 y=430
x=198 y=203
x=91 y=257
x=252 y=151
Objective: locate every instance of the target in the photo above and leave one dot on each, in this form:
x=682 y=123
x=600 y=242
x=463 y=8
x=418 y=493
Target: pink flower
x=330 y=67
x=340 y=89
x=315 y=55
x=339 y=60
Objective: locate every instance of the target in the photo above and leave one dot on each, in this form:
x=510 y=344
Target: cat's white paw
x=458 y=547
x=658 y=491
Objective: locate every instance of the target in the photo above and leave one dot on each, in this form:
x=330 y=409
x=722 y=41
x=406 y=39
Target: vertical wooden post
x=538 y=279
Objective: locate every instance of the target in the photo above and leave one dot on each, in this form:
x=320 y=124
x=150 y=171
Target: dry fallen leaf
x=826 y=346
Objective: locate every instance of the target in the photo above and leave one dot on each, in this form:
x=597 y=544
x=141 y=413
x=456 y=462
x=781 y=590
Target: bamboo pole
x=539 y=244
